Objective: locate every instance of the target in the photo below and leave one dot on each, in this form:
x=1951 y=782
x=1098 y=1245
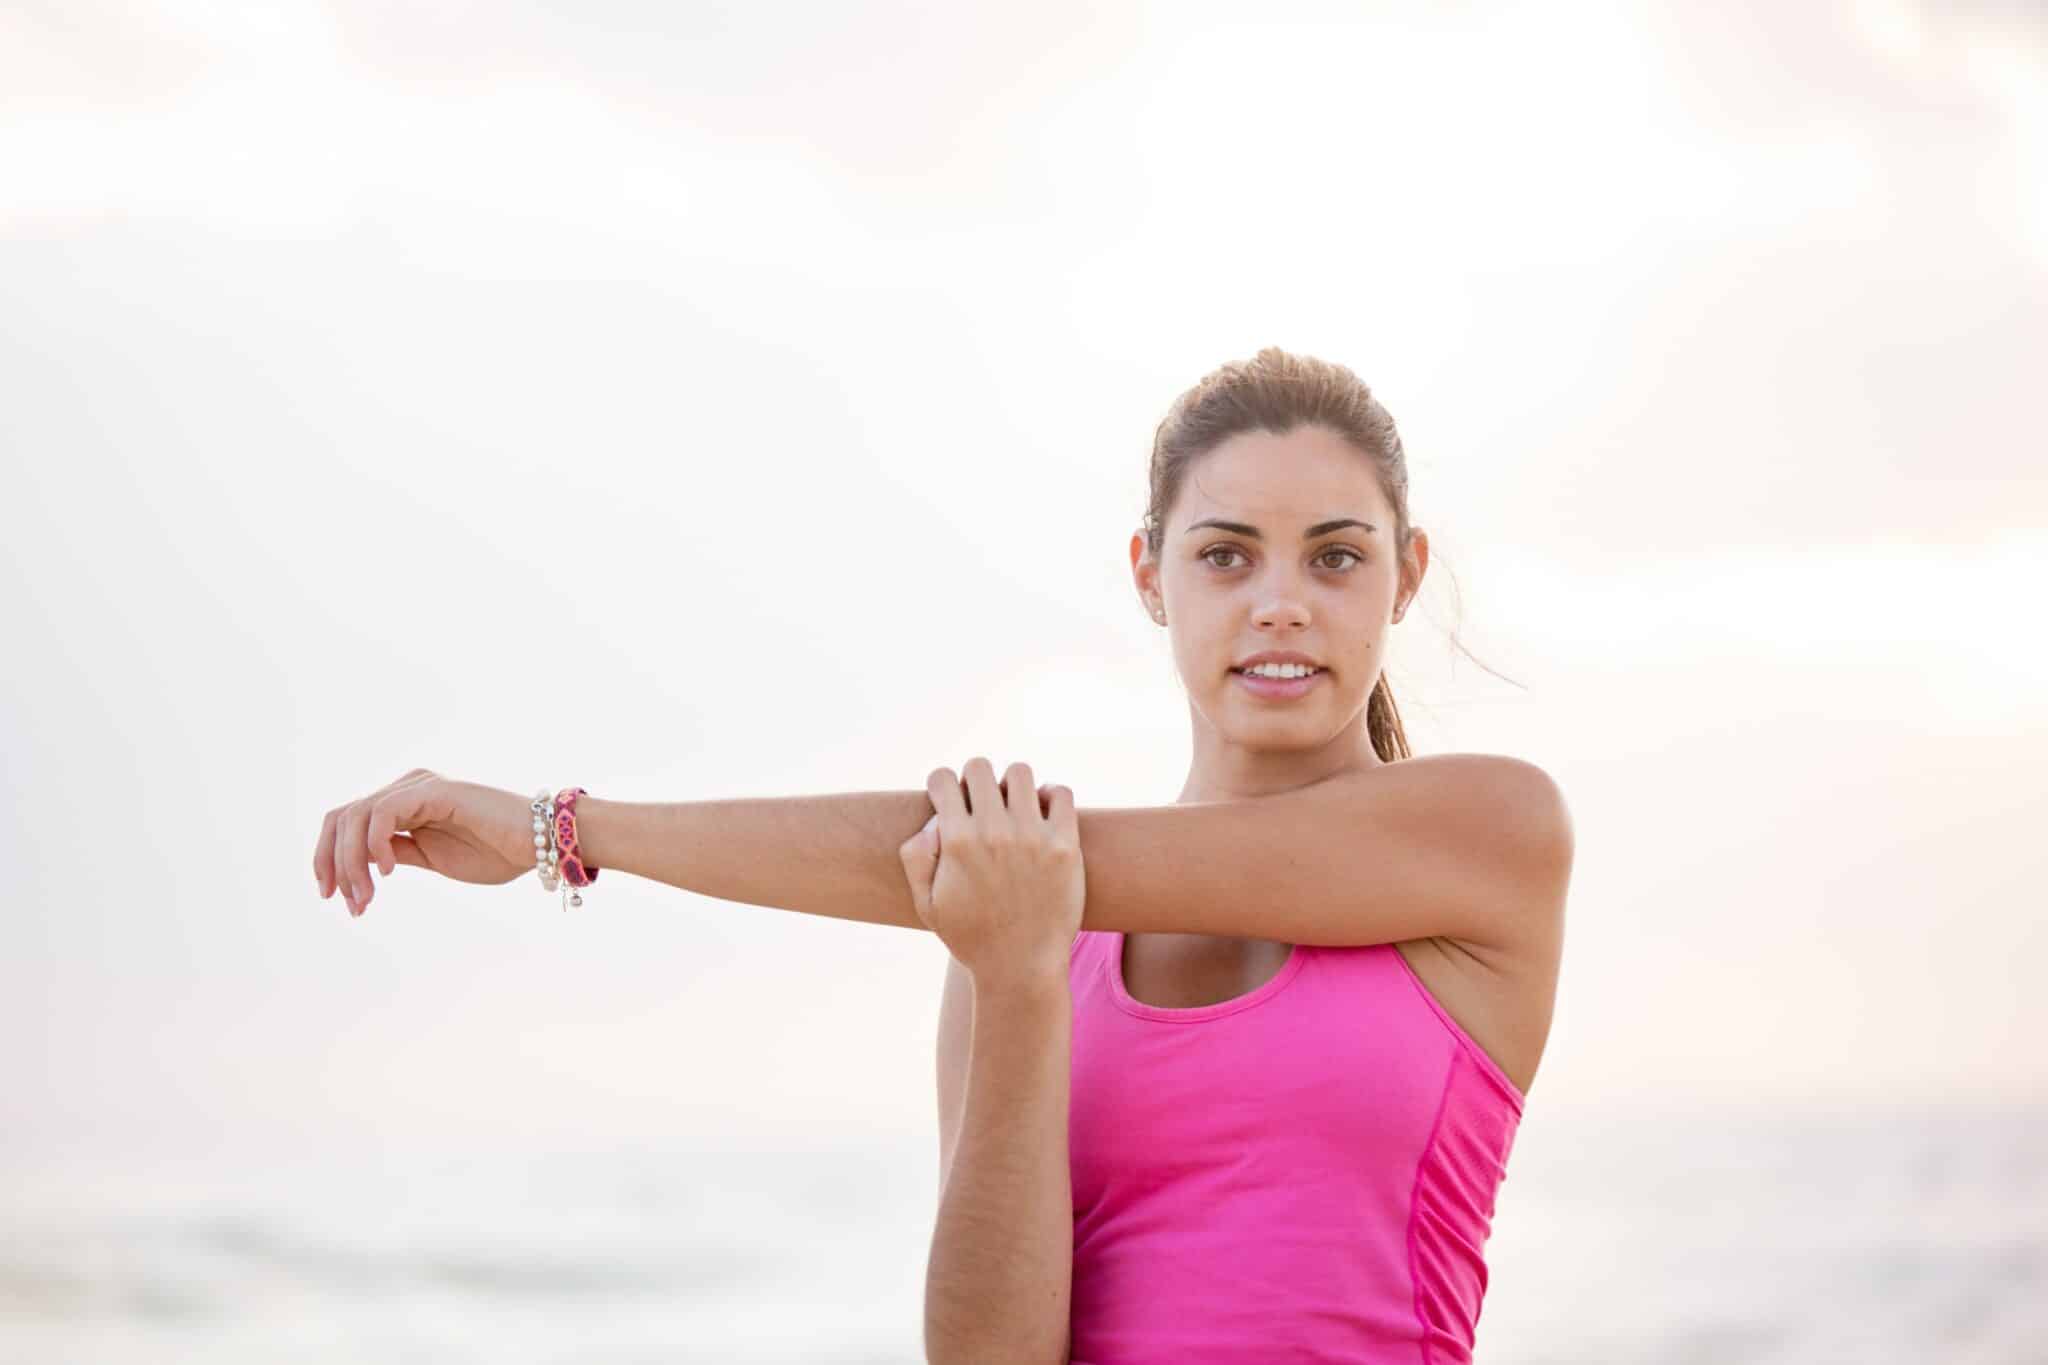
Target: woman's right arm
x=998 y=1283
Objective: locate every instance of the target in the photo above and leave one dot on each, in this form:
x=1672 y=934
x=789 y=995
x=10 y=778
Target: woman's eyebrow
x=1321 y=528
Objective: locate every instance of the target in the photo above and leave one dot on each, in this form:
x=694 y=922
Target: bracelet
x=544 y=853
x=557 y=856
x=570 y=861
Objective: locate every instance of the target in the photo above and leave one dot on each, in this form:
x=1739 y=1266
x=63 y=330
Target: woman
x=1261 y=1109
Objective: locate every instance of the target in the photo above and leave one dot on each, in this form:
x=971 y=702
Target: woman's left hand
x=996 y=872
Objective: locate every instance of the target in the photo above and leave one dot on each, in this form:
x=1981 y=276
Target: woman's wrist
x=1026 y=984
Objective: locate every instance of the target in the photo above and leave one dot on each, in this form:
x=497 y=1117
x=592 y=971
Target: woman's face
x=1292 y=570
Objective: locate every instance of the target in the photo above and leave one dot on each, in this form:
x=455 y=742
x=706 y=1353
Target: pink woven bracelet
x=572 y=867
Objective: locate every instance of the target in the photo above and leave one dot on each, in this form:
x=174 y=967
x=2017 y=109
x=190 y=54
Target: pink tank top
x=1303 y=1173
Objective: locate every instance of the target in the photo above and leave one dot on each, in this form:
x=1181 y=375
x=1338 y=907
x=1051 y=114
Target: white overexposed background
x=728 y=400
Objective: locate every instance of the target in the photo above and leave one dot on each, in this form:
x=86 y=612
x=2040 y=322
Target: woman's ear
x=1145 y=575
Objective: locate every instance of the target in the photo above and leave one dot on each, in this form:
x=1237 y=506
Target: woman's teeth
x=1279 y=671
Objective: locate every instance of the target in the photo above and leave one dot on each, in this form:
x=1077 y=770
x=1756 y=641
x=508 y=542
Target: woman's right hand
x=458 y=829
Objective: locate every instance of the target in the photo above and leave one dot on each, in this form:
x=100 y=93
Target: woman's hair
x=1276 y=391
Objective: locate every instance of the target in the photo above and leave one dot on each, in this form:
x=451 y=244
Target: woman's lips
x=1280 y=689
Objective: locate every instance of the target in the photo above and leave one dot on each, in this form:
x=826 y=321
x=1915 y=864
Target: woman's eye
x=1210 y=554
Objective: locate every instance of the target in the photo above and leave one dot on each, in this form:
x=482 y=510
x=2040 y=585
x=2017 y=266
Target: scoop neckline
x=1130 y=1004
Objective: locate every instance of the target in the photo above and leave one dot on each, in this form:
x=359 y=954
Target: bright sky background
x=777 y=382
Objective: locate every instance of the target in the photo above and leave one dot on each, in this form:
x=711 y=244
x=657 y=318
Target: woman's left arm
x=1476 y=847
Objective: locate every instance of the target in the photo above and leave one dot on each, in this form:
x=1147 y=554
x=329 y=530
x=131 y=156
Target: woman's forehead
x=1284 y=484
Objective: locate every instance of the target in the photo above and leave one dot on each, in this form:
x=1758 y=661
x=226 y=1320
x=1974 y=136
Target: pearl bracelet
x=545 y=855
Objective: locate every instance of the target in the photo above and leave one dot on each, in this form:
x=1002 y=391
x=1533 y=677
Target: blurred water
x=1873 y=1238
